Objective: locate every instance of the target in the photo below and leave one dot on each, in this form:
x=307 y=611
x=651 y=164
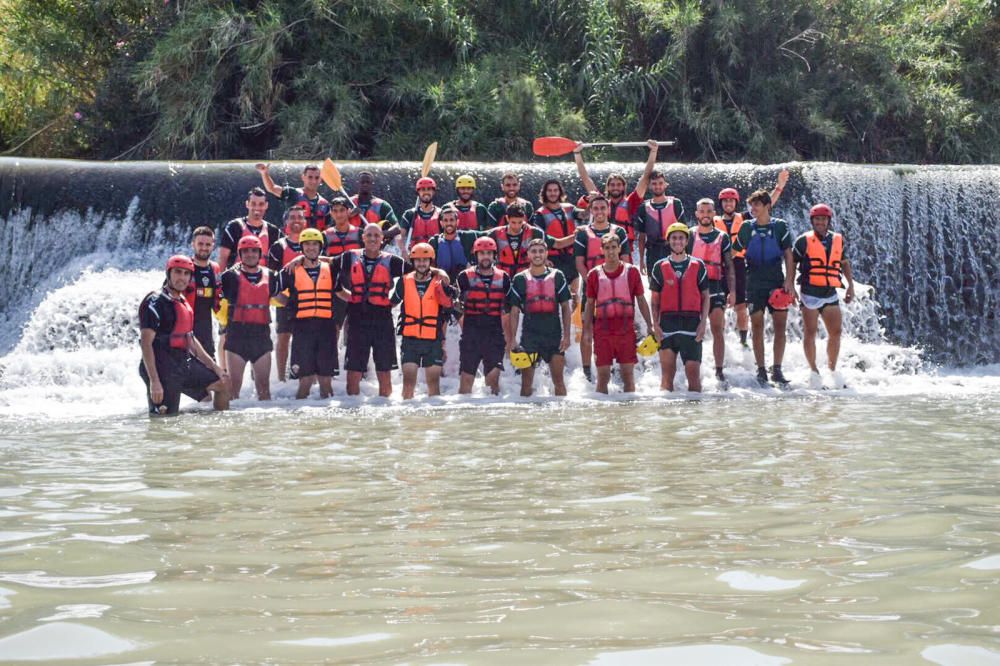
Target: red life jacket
x=183 y=328
x=374 y=289
x=614 y=298
x=621 y=215
x=558 y=227
x=265 y=243
x=680 y=295
x=737 y=222
x=658 y=220
x=252 y=300
x=316 y=211
x=424 y=230
x=336 y=246
x=509 y=262
x=819 y=269
x=502 y=222
x=369 y=212
x=709 y=253
x=202 y=291
x=480 y=300
x=595 y=255
x=467 y=219
x=541 y=293
x=287 y=253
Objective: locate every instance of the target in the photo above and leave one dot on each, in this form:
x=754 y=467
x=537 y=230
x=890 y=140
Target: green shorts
x=685 y=345
x=425 y=353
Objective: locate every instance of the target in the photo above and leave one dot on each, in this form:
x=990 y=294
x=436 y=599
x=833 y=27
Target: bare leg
x=281 y=352
x=757 y=326
x=692 y=369
x=493 y=380
x=220 y=395
x=779 y=319
x=409 y=380
x=742 y=317
x=810 y=322
x=557 y=366
x=236 y=365
x=717 y=320
x=668 y=368
x=262 y=376
x=832 y=319
x=432 y=376
x=305 y=385
x=353 y=382
x=325 y=386
x=384 y=383
x=527 y=381
x=465 y=382
x=628 y=377
x=603 y=377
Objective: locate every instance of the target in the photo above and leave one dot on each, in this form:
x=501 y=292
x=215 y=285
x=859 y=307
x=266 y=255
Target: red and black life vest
x=558 y=223
x=709 y=253
x=337 y=245
x=252 y=301
x=680 y=295
x=373 y=289
x=481 y=300
x=540 y=293
x=509 y=262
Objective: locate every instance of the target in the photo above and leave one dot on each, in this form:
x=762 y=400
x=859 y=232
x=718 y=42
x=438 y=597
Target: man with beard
x=558 y=219
x=203 y=291
x=422 y=222
x=453 y=246
x=512 y=240
x=279 y=256
x=510 y=184
x=472 y=215
x=316 y=208
x=713 y=248
x=483 y=291
x=655 y=217
x=253 y=224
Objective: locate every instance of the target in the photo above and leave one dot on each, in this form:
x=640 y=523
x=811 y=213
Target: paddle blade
x=331 y=175
x=553 y=146
x=429 y=156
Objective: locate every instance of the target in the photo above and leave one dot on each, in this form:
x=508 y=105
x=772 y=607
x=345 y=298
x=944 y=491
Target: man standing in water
x=424 y=296
x=485 y=331
x=613 y=289
x=280 y=254
x=173 y=361
x=542 y=293
x=472 y=215
x=203 y=292
x=317 y=209
x=770 y=271
x=558 y=219
x=253 y=224
x=247 y=288
x=510 y=183
x=422 y=222
x=679 y=288
x=453 y=246
x=822 y=259
x=713 y=248
x=656 y=215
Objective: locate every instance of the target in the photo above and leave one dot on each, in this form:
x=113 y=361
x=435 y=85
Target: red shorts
x=610 y=347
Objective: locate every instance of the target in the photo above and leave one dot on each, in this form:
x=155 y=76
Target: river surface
x=798 y=528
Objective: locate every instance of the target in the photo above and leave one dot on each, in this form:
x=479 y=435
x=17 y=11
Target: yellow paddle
x=425 y=168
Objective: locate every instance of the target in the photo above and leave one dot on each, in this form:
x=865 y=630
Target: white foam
x=689 y=655
x=991 y=563
x=951 y=654
x=44 y=580
x=62 y=640
x=751 y=582
x=338 y=642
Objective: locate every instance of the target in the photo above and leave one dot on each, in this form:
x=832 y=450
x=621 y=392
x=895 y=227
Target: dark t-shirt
x=463 y=287
x=233 y=232
x=157 y=312
x=318 y=215
x=539 y=326
x=673 y=323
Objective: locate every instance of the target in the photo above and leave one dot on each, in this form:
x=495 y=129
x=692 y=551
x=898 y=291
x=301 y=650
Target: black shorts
x=717 y=294
x=685 y=345
x=371 y=336
x=283 y=319
x=203 y=333
x=740 y=271
x=249 y=341
x=568 y=267
x=314 y=347
x=481 y=344
x=757 y=300
x=425 y=353
x=545 y=350
x=179 y=373
x=654 y=252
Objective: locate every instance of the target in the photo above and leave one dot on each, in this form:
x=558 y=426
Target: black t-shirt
x=397 y=267
x=233 y=232
x=276 y=255
x=157 y=312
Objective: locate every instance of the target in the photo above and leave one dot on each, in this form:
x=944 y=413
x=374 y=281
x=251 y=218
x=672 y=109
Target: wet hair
x=202 y=231
x=705 y=200
x=614 y=175
x=763 y=196
x=256 y=192
x=515 y=210
x=657 y=174
x=545 y=186
x=309 y=167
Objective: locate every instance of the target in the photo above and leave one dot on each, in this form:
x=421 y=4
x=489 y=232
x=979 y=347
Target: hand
x=653 y=146
x=700 y=333
x=790 y=289
x=578 y=148
x=221 y=372
x=657 y=333
x=156 y=392
x=731 y=300
x=564 y=343
x=849 y=296
x=260 y=166
x=642 y=268
x=783 y=178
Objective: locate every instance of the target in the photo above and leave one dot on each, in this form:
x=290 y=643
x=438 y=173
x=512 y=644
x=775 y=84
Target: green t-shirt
x=544 y=327
x=580 y=243
x=674 y=323
x=765 y=245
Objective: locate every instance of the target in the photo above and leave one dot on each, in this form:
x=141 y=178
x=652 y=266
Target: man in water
x=203 y=291
x=613 y=290
x=679 y=291
x=512 y=240
x=173 y=361
x=559 y=219
x=424 y=295
x=310 y=284
x=770 y=269
x=453 y=246
x=280 y=254
x=822 y=259
x=246 y=338
x=317 y=209
x=714 y=249
x=656 y=215
x=253 y=224
x=510 y=183
x=472 y=215
x=542 y=294
x=485 y=331
x=341 y=235
x=422 y=222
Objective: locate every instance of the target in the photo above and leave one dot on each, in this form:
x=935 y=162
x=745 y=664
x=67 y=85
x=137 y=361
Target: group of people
x=493 y=270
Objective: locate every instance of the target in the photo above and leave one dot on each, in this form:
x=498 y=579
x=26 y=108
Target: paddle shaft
x=626 y=144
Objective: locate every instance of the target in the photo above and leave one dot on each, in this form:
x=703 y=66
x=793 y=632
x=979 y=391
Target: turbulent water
x=749 y=526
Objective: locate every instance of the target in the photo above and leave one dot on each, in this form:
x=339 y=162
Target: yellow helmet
x=465 y=180
x=647 y=347
x=312 y=235
x=678 y=226
x=522 y=360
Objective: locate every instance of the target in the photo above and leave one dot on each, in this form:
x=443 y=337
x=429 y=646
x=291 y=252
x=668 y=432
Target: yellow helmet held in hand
x=312 y=235
x=465 y=180
x=678 y=226
x=522 y=359
x=648 y=346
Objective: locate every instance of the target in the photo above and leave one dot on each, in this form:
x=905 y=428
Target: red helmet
x=779 y=300
x=484 y=245
x=249 y=243
x=729 y=193
x=180 y=261
x=820 y=209
x=426 y=182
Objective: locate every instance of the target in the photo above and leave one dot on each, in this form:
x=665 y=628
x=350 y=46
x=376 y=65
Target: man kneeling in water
x=173 y=361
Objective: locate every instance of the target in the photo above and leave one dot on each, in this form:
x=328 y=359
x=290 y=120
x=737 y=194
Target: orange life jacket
x=819 y=269
x=709 y=253
x=420 y=313
x=252 y=301
x=658 y=220
x=614 y=298
x=373 y=289
x=481 y=300
x=336 y=246
x=734 y=231
x=314 y=299
x=540 y=296
x=680 y=295
x=559 y=223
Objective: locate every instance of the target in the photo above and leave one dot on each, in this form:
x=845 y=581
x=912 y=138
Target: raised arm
x=581 y=168
x=643 y=184
x=265 y=177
